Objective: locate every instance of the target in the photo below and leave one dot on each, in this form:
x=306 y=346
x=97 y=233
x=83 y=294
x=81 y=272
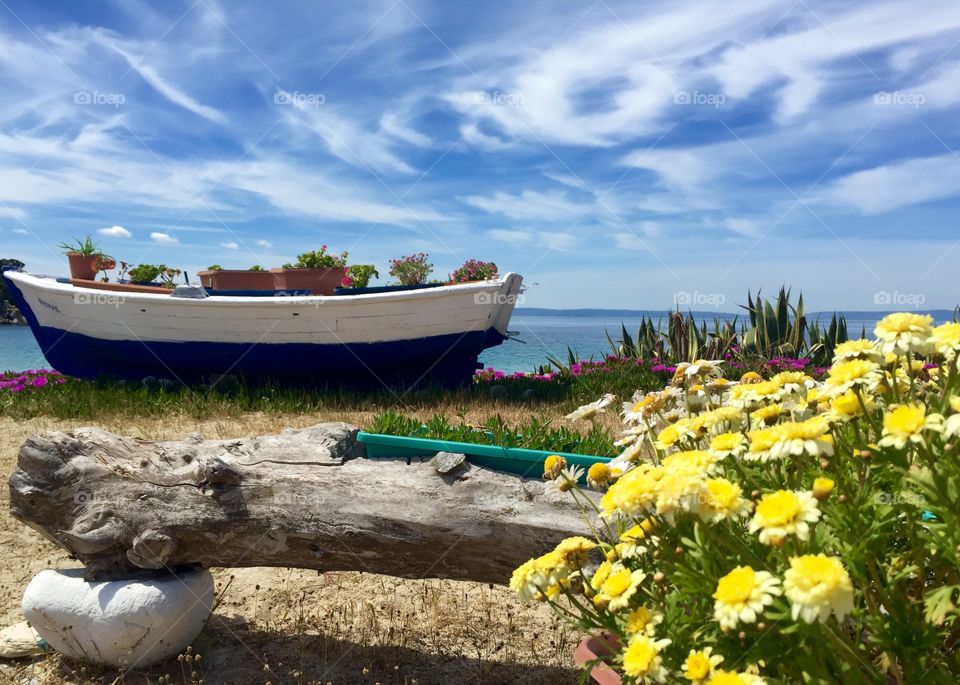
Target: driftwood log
x=305 y=498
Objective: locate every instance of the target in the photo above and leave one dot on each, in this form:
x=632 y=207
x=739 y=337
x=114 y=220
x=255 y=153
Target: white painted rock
x=129 y=623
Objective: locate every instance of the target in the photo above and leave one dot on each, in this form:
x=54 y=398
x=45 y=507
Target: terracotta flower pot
x=83 y=267
x=238 y=279
x=594 y=647
x=317 y=281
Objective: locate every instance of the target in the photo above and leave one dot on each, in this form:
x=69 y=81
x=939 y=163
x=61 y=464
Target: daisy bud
x=824 y=464
x=754 y=494
x=761 y=626
x=822 y=488
x=679 y=550
x=659 y=577
x=742 y=635
x=842 y=499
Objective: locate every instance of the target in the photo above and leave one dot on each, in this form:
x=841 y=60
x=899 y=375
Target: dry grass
x=298 y=627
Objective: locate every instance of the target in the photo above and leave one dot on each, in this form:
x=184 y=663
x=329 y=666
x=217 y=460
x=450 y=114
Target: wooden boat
x=405 y=337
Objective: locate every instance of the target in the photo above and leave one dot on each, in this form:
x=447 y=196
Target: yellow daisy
x=783 y=513
x=852 y=373
x=946 y=339
x=642 y=620
x=552 y=466
x=722 y=499
x=742 y=595
x=642 y=659
x=817 y=586
x=618 y=587
x=904 y=332
x=700 y=664
x=856 y=349
x=599 y=475
x=727 y=444
x=907 y=423
x=721 y=677
x=575 y=550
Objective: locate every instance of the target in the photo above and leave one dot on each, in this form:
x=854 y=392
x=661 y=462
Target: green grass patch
x=538 y=433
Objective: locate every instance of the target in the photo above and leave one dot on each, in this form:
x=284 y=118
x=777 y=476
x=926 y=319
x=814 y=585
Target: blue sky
x=629 y=154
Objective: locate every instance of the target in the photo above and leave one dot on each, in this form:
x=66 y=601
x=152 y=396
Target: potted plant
x=255 y=278
x=474 y=270
x=412 y=269
x=83 y=256
x=318 y=271
x=148 y=275
x=105 y=263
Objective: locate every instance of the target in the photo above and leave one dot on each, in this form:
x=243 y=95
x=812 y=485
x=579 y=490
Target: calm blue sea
x=541 y=336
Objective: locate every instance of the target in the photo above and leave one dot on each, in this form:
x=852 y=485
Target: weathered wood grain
x=305 y=498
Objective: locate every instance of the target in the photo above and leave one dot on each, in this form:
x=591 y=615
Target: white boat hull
x=434 y=333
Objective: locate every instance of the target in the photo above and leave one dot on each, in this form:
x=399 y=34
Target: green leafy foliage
x=319 y=259
x=85 y=247
x=360 y=274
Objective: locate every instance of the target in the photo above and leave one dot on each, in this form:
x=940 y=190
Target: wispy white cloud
x=548 y=240
x=891 y=186
x=266 y=244
x=529 y=205
x=13 y=213
x=230 y=245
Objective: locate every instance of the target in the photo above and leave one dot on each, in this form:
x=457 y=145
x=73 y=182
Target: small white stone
x=21 y=640
x=129 y=623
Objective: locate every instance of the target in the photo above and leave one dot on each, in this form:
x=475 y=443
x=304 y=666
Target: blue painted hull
x=444 y=359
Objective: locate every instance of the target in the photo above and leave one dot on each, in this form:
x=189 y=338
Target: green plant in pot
x=359 y=275
x=411 y=270
x=84 y=257
x=149 y=274
x=318 y=271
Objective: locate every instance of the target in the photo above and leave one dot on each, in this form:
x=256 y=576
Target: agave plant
x=823 y=341
x=777 y=329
